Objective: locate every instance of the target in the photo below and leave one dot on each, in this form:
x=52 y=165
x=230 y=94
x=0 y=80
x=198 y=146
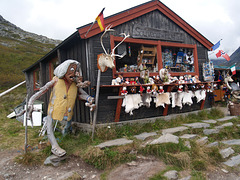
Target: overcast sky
x=58 y=19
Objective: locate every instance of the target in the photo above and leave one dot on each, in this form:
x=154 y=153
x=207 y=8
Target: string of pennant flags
x=220 y=53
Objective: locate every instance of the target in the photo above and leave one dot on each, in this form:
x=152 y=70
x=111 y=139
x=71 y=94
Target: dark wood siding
x=86 y=50
x=153 y=19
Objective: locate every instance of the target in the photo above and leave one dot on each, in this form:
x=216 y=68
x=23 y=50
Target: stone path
x=167 y=135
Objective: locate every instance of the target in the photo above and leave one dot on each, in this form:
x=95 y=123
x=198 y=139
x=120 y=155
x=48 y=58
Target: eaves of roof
x=140 y=10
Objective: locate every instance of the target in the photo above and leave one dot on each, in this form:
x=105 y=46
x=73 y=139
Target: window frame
x=51 y=68
x=159 y=44
x=35 y=71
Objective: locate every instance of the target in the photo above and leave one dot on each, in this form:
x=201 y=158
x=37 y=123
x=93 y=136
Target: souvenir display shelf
x=151 y=55
x=168 y=88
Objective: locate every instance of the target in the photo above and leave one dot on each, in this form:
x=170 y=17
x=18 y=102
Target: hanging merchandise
x=129 y=51
x=180 y=56
x=167 y=58
x=208 y=71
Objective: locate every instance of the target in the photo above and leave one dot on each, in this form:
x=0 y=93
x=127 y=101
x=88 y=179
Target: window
x=179 y=59
x=138 y=57
x=36 y=79
x=52 y=65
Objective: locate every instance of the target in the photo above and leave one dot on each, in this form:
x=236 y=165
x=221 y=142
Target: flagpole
x=94 y=22
x=90 y=28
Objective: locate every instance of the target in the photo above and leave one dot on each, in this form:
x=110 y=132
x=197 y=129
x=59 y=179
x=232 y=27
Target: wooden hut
x=157 y=35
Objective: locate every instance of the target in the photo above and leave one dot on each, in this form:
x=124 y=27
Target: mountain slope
x=18 y=50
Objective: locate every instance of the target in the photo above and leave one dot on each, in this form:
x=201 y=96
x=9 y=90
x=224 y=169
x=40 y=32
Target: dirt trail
x=141 y=169
x=13 y=171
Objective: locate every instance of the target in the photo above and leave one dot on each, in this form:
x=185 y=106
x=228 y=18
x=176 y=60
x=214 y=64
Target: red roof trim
x=141 y=10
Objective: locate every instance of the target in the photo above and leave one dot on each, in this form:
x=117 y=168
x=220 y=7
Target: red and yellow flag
x=100 y=20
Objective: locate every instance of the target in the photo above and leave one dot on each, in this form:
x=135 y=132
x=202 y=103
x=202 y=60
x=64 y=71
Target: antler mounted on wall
x=106 y=60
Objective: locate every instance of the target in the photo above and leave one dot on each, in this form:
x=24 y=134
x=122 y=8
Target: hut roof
x=124 y=16
x=132 y=13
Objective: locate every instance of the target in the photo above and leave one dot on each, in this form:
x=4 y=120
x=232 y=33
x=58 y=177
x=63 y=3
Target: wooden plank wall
x=76 y=49
x=154 y=20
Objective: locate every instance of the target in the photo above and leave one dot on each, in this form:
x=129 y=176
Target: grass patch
x=171 y=153
x=80 y=144
x=106 y=158
x=197 y=175
x=75 y=176
x=30 y=159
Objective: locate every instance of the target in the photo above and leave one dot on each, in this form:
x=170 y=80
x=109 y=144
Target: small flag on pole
x=215 y=46
x=233 y=69
x=100 y=20
x=223 y=54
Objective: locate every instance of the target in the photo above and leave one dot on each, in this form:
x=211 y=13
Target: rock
x=55 y=158
x=187 y=144
x=171 y=175
x=166 y=138
x=210 y=131
x=227 y=124
x=188 y=136
x=173 y=130
x=116 y=142
x=133 y=163
x=232 y=142
x=226 y=152
x=93 y=176
x=203 y=140
x=213 y=144
x=209 y=121
x=224 y=170
x=197 y=125
x=219 y=127
x=84 y=176
x=145 y=135
x=186 y=178
x=226 y=118
x=234 y=161
x=49 y=162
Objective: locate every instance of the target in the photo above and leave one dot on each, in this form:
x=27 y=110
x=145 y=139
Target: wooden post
x=119 y=106
x=26 y=124
x=96 y=102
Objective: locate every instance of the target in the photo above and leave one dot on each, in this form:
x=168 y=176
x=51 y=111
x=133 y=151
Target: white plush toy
x=181 y=80
x=116 y=81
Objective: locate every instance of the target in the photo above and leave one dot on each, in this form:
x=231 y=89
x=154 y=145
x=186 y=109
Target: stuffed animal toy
x=148 y=90
x=181 y=80
x=154 y=89
x=127 y=81
x=164 y=76
x=157 y=80
x=117 y=81
x=141 y=89
x=146 y=77
x=133 y=89
x=124 y=91
x=161 y=90
x=180 y=88
x=132 y=81
x=173 y=79
x=196 y=79
x=209 y=87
